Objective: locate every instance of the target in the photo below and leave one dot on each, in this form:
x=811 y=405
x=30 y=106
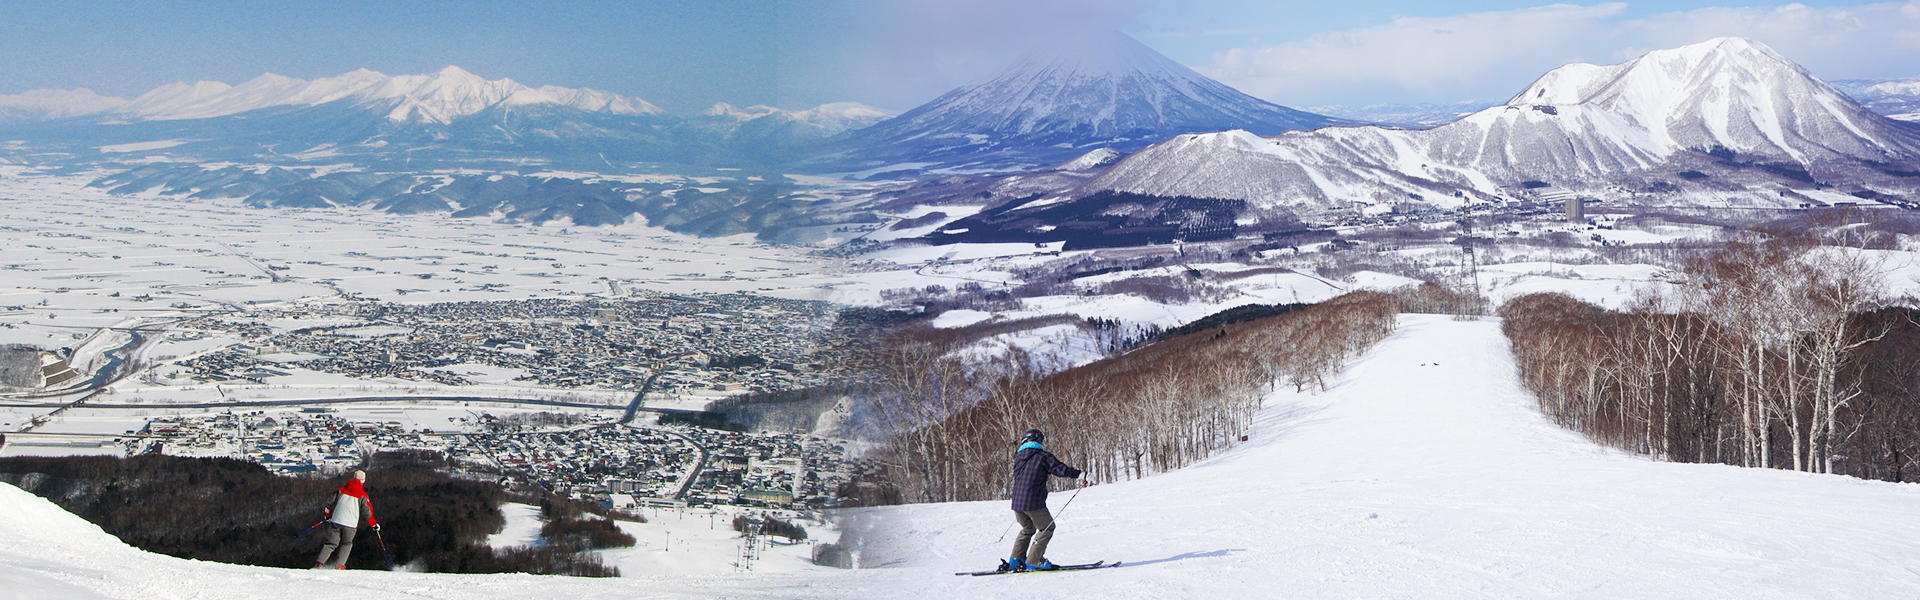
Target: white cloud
x=1491 y=55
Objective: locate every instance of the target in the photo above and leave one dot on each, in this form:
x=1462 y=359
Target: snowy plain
x=79 y=258
x=1424 y=471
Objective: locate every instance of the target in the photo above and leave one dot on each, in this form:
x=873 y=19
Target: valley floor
x=1425 y=472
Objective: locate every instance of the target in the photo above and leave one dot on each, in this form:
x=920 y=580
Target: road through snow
x=1425 y=472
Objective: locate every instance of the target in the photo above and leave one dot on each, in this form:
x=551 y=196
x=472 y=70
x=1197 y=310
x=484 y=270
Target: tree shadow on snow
x=1210 y=554
x=1281 y=420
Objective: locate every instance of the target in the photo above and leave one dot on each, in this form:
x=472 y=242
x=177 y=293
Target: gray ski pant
x=337 y=536
x=1036 y=526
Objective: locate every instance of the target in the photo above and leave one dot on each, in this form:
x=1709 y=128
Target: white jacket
x=348 y=510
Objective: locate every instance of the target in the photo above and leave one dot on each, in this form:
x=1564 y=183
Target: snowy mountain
x=1094 y=159
x=1425 y=471
x=774 y=135
x=829 y=119
x=1727 y=92
x=1727 y=106
x=40 y=105
x=1419 y=115
x=1895 y=98
x=446 y=118
x=1059 y=101
x=438 y=97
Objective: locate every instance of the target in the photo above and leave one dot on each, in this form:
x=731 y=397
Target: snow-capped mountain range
x=1062 y=100
x=438 y=97
x=833 y=117
x=1607 y=129
x=37 y=105
x=1896 y=98
x=1419 y=115
x=447 y=115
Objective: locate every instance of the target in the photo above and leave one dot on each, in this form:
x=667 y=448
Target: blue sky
x=898 y=53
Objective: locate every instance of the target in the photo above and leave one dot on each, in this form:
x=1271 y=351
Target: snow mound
x=46 y=525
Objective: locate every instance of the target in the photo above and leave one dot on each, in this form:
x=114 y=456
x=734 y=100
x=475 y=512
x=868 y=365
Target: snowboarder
x=1031 y=466
x=349 y=506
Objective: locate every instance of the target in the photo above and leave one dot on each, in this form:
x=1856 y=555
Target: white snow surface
x=1425 y=471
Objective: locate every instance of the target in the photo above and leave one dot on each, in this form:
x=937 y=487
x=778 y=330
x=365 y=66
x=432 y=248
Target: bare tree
x=947 y=419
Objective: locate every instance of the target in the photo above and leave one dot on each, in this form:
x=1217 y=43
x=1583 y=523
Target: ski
x=1084 y=567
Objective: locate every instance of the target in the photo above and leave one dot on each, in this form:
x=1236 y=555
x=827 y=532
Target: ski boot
x=1043 y=565
x=1013 y=564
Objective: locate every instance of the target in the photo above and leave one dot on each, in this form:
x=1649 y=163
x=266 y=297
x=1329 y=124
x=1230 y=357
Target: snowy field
x=78 y=258
x=674 y=541
x=1424 y=472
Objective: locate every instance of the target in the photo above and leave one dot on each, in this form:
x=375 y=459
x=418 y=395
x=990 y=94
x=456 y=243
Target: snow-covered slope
x=1080 y=92
x=1579 y=126
x=49 y=554
x=1094 y=159
x=1424 y=472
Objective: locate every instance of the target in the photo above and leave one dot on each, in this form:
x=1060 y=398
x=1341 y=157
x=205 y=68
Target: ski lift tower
x=1471 y=304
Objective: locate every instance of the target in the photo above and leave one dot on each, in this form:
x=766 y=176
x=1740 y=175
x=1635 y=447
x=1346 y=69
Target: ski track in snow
x=1424 y=472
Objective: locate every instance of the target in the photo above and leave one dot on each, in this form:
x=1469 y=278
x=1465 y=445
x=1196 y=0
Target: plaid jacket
x=1030 y=470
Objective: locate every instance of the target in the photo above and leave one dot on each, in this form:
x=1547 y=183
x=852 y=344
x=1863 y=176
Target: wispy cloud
x=1488 y=55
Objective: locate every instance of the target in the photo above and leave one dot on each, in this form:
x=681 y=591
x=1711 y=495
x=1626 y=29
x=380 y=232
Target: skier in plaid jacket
x=1032 y=463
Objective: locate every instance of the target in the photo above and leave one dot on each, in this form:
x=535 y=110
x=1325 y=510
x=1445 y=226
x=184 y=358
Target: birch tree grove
x=1774 y=352
x=948 y=420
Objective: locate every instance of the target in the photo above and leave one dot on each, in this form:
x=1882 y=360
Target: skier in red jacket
x=349 y=506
